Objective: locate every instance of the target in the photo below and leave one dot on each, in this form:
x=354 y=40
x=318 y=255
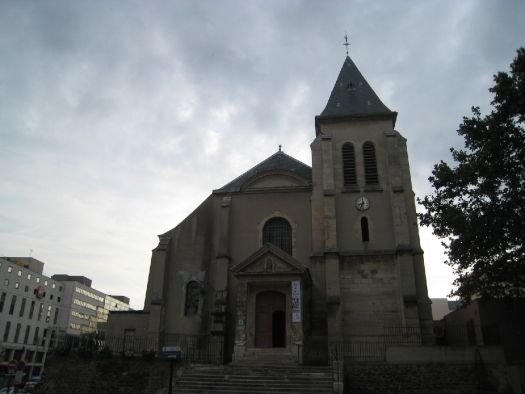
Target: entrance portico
x=273 y=290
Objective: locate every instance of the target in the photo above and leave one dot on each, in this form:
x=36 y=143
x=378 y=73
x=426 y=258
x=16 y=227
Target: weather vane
x=346 y=44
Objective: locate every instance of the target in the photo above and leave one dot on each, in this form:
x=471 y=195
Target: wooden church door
x=270 y=319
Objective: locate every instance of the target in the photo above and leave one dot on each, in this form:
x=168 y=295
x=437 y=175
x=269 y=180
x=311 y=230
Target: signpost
x=171 y=353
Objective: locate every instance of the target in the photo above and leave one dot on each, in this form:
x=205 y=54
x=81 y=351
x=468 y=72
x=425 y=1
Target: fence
x=372 y=348
x=195 y=348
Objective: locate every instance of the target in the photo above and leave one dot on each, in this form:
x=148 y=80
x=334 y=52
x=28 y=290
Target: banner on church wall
x=296 y=301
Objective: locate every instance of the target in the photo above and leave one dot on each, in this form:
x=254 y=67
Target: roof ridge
x=291 y=157
x=302 y=170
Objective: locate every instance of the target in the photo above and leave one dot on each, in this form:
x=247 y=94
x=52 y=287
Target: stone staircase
x=255 y=378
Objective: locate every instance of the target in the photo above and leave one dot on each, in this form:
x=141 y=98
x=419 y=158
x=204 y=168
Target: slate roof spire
x=352 y=96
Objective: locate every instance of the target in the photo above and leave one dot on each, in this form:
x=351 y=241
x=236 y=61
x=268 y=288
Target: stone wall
x=371 y=298
x=419 y=378
x=88 y=374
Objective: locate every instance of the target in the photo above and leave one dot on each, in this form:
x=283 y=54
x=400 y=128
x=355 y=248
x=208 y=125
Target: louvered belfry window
x=369 y=155
x=278 y=232
x=349 y=174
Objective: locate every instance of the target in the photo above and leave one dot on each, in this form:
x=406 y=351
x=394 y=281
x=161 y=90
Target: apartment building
x=36 y=311
x=30 y=307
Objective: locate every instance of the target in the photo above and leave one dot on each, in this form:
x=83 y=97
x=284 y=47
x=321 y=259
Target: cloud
x=105 y=110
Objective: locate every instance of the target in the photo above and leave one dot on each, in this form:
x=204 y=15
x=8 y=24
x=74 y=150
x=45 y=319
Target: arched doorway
x=270 y=319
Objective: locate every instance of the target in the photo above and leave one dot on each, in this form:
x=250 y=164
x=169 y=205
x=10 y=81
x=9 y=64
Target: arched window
x=278 y=232
x=193 y=295
x=365 y=235
x=349 y=175
x=369 y=156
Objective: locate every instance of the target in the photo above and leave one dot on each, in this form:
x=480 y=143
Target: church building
x=286 y=252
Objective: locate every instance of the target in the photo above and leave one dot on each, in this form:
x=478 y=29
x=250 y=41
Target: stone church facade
x=287 y=252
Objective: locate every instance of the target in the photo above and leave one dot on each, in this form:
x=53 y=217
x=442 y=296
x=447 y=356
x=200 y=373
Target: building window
x=6 y=282
x=22 y=307
x=40 y=311
x=26 y=335
x=278 y=232
x=365 y=235
x=48 y=314
x=26 y=289
x=19 y=273
x=52 y=340
x=35 y=336
x=369 y=156
x=9 y=269
x=2 y=300
x=6 y=330
x=17 y=332
x=17 y=285
x=193 y=296
x=12 y=307
x=44 y=337
x=31 y=309
x=28 y=276
x=37 y=280
x=349 y=174
x=55 y=318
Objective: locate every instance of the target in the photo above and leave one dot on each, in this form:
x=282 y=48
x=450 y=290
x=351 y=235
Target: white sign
x=296 y=316
x=296 y=301
x=171 y=349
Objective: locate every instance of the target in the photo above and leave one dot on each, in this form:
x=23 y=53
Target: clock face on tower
x=362 y=203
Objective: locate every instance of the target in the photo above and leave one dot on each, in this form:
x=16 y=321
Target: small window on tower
x=365 y=235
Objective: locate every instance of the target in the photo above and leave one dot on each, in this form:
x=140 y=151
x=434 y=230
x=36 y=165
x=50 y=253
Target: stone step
x=259 y=378
x=264 y=372
x=247 y=385
x=198 y=391
x=248 y=382
x=243 y=389
x=254 y=378
x=260 y=365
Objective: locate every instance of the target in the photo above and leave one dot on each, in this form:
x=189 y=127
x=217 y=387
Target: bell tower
x=365 y=237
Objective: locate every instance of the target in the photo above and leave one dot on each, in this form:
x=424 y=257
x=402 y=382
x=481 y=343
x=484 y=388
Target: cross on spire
x=346 y=44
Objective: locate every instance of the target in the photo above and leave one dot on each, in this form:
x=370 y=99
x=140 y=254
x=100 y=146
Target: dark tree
x=478 y=204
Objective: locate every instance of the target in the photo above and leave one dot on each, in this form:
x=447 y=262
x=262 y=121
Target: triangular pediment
x=277 y=164
x=269 y=260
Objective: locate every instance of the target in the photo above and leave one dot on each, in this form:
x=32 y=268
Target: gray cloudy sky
x=117 y=118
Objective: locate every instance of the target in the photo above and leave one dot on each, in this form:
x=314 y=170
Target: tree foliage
x=478 y=204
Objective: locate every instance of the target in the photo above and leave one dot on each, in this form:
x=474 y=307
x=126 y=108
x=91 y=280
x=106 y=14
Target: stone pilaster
x=222 y=262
